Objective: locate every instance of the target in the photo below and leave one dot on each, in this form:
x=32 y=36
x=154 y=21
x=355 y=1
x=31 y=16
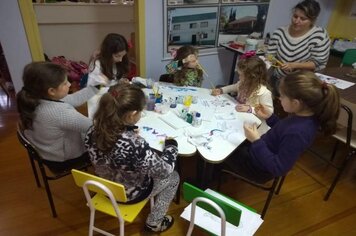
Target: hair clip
x=114 y=93
x=248 y=54
x=324 y=85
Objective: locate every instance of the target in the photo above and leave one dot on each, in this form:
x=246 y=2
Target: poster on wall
x=191 y=2
x=242 y=20
x=192 y=26
x=205 y=24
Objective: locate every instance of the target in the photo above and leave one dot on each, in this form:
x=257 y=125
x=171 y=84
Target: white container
x=251 y=45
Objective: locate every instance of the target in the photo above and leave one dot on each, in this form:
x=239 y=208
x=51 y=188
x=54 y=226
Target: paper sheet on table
x=249 y=222
x=174 y=121
x=339 y=83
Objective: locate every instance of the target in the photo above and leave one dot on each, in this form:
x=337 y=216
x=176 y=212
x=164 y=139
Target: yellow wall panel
x=341 y=25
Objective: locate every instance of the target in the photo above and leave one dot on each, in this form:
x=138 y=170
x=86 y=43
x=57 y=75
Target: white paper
x=339 y=83
x=249 y=221
x=174 y=121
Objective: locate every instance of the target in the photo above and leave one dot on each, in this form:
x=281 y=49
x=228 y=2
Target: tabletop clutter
x=156 y=102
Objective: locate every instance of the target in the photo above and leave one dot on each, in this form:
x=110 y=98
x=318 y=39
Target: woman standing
x=300 y=45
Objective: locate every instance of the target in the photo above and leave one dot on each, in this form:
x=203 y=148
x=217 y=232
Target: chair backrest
x=345 y=121
x=232 y=213
x=168 y=78
x=117 y=189
x=31 y=150
x=349 y=57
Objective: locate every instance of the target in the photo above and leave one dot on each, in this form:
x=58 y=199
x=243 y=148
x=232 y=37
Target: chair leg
x=338 y=175
x=281 y=181
x=269 y=198
x=35 y=172
x=334 y=150
x=179 y=170
x=49 y=193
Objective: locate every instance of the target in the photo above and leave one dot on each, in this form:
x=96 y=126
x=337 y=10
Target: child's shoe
x=165 y=224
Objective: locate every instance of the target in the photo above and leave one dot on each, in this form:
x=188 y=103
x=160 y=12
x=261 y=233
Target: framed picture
x=192 y=26
x=242 y=20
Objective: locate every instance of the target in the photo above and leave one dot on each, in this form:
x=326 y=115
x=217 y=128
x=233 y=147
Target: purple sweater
x=278 y=149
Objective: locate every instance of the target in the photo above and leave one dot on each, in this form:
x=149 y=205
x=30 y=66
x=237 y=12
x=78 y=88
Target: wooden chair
x=349 y=57
x=216 y=206
x=106 y=198
x=345 y=134
x=35 y=157
x=272 y=187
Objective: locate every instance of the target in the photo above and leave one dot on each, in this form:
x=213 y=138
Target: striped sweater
x=313 y=46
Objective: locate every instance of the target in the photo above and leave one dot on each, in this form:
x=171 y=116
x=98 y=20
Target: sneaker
x=165 y=224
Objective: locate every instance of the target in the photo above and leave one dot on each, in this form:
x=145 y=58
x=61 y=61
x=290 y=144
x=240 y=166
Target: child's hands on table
x=251 y=132
x=262 y=112
x=216 y=91
x=242 y=108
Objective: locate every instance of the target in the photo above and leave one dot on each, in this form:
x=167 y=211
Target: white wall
x=217 y=63
x=13 y=40
x=280 y=12
x=75 y=30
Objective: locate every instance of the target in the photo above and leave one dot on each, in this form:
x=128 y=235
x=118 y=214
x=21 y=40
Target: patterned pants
x=163 y=192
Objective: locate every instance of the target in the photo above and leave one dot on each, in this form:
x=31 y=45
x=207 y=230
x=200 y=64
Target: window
x=176 y=27
x=193 y=25
x=203 y=24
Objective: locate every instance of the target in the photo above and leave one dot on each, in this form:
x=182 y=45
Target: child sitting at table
x=185 y=67
x=49 y=118
x=119 y=154
x=313 y=106
x=251 y=88
x=111 y=63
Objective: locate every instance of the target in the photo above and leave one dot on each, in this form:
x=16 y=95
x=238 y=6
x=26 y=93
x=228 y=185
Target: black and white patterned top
x=313 y=46
x=132 y=162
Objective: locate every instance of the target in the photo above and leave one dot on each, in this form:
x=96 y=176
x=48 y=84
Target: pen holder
x=159 y=98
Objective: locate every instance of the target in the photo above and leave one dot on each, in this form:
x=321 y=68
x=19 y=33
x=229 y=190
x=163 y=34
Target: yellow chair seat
x=128 y=211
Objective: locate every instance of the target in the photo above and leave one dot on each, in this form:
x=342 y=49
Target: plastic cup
x=151 y=100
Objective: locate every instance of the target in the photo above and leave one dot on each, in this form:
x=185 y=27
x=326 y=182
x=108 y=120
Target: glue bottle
x=197 y=119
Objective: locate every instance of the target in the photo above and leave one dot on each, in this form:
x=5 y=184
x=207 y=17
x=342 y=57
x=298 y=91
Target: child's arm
x=95 y=76
x=161 y=166
x=173 y=66
x=70 y=119
x=80 y=97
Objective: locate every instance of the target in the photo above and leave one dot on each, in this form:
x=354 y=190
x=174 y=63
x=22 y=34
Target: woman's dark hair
x=112 y=44
x=311 y=8
x=109 y=119
x=321 y=98
x=37 y=78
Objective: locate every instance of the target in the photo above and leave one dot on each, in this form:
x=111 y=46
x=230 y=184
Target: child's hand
x=216 y=91
x=242 y=108
x=262 y=112
x=251 y=132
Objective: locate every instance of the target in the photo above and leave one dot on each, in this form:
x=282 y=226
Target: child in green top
x=185 y=67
